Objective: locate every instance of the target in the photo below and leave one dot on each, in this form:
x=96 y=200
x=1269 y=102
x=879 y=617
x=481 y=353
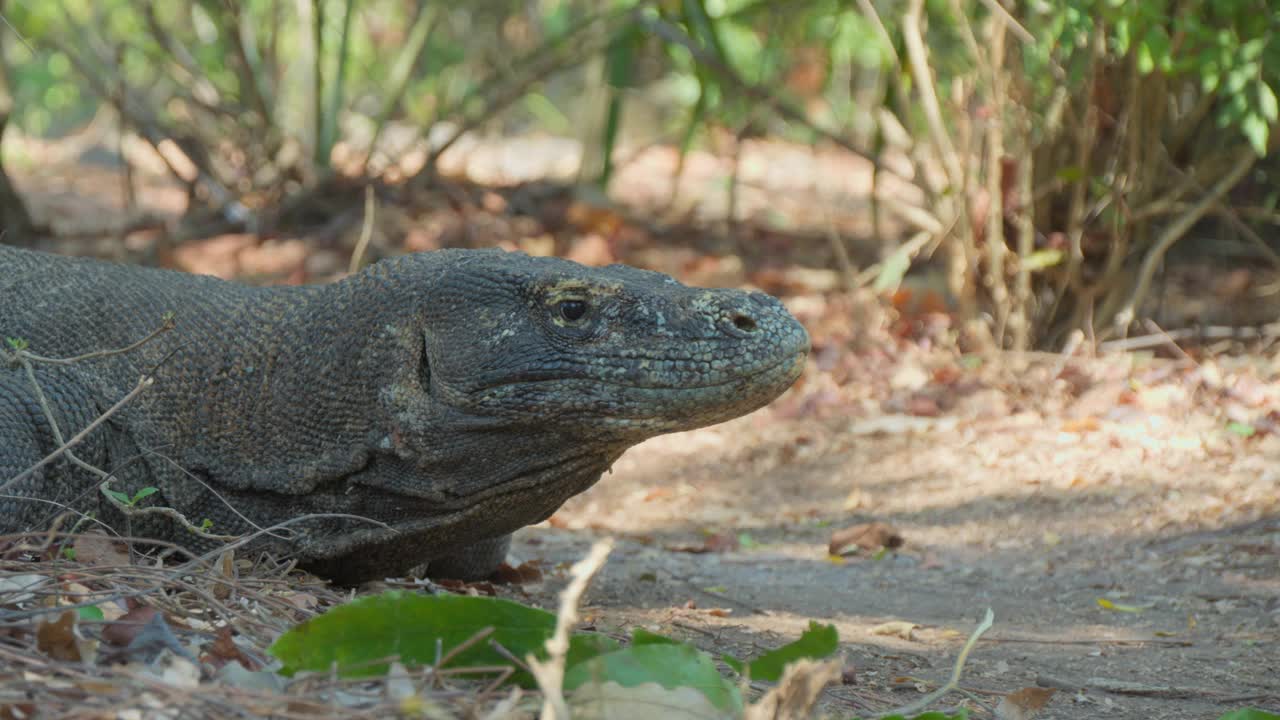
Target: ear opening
x=424 y=370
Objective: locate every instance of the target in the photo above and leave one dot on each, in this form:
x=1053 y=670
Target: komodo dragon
x=424 y=409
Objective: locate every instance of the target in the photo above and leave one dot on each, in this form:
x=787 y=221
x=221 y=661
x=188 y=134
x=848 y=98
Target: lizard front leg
x=474 y=562
x=30 y=499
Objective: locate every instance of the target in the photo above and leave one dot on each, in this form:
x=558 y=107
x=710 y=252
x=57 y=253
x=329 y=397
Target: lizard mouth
x=789 y=366
x=624 y=403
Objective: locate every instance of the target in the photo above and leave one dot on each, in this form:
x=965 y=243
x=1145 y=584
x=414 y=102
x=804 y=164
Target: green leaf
x=669 y=665
x=1122 y=36
x=1145 y=61
x=1041 y=259
x=92 y=612
x=408 y=625
x=1252 y=50
x=1256 y=130
x=143 y=493
x=640 y=636
x=117 y=495
x=1244 y=430
x=17 y=343
x=1070 y=173
x=892 y=270
x=1267 y=106
x=1239 y=77
x=1250 y=714
x=1156 y=46
x=818 y=641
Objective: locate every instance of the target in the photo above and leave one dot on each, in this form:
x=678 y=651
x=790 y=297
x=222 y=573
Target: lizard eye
x=572 y=310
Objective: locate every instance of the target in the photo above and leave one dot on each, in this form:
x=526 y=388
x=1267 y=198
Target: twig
x=151 y=129
x=167 y=323
x=1094 y=641
x=1009 y=21
x=540 y=68
x=847 y=270
x=550 y=674
x=143 y=383
x=1156 y=329
x=1233 y=217
x=677 y=36
x=869 y=11
x=910 y=249
x=366 y=230
x=248 y=70
x=912 y=708
x=1124 y=687
x=1244 y=162
x=918 y=58
x=429 y=16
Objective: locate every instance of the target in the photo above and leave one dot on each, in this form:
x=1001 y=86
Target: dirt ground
x=1120 y=516
x=1038 y=513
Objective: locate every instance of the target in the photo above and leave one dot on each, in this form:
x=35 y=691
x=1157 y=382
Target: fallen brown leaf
x=467 y=588
x=522 y=574
x=122 y=632
x=302 y=601
x=17 y=711
x=1024 y=704
x=798 y=691
x=1081 y=425
x=98 y=549
x=866 y=536
x=224 y=650
x=58 y=639
x=900 y=628
x=715 y=543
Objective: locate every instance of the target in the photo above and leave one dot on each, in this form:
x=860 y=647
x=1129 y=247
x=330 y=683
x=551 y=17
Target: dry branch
x=1243 y=163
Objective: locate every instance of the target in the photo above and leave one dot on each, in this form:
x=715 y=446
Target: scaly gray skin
x=452 y=397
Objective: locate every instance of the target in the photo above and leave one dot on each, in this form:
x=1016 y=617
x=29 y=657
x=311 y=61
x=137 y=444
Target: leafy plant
x=414 y=627
x=358 y=638
x=818 y=641
x=127 y=500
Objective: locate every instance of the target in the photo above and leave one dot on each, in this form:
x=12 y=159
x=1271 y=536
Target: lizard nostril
x=744 y=323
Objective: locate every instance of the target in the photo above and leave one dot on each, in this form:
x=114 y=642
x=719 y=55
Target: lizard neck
x=292 y=400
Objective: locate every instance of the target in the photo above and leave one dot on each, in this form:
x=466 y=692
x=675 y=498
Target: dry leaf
x=302 y=601
x=98 y=549
x=58 y=639
x=717 y=543
x=522 y=574
x=227 y=568
x=1081 y=425
x=900 y=628
x=1023 y=704
x=123 y=631
x=612 y=701
x=797 y=692
x=17 y=711
x=224 y=650
x=866 y=536
x=13 y=588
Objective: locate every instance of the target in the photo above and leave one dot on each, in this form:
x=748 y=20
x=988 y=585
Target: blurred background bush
x=1035 y=167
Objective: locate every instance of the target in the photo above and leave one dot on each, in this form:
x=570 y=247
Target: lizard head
x=510 y=383
x=614 y=351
